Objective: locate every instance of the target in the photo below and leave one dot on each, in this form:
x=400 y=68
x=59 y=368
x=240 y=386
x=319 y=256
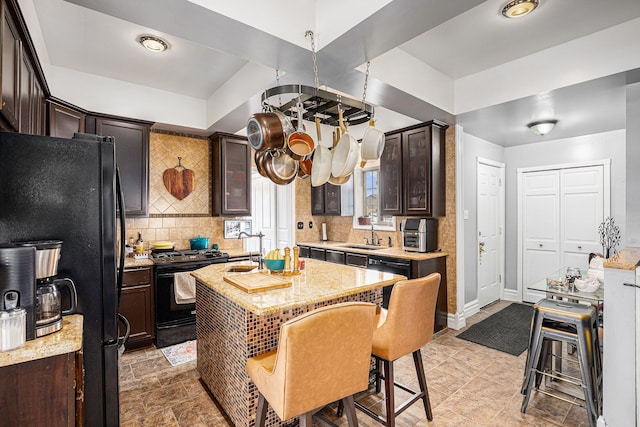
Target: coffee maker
x=48 y=300
x=18 y=282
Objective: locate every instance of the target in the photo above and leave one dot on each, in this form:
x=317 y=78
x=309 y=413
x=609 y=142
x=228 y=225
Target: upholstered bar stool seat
x=323 y=356
x=403 y=329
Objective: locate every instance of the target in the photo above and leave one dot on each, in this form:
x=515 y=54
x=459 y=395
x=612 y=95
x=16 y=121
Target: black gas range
x=175 y=319
x=204 y=256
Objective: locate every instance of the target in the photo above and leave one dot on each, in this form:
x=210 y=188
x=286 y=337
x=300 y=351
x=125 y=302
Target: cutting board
x=256 y=282
x=179 y=183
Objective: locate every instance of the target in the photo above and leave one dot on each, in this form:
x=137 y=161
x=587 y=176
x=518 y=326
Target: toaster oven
x=420 y=234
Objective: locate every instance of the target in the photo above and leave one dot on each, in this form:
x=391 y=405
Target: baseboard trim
x=456 y=321
x=511 y=295
x=471 y=308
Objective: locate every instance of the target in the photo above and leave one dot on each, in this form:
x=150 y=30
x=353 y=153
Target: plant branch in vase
x=609 y=236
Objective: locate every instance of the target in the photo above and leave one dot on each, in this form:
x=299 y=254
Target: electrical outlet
x=300 y=225
x=310 y=224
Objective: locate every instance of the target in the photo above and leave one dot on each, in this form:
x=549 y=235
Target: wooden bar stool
x=403 y=329
x=575 y=324
x=322 y=356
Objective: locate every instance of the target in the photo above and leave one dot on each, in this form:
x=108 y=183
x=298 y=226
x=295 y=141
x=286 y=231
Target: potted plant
x=609 y=236
x=364 y=220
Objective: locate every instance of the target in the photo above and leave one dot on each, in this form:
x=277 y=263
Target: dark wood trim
x=438 y=123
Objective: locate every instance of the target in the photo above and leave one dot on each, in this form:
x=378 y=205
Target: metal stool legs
x=575 y=325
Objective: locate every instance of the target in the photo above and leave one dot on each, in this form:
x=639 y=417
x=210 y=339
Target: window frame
x=358 y=198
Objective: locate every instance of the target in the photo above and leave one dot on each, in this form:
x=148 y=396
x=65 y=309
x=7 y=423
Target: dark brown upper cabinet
x=23 y=88
x=412 y=171
x=326 y=200
x=65 y=120
x=10 y=68
x=132 y=159
x=231 y=175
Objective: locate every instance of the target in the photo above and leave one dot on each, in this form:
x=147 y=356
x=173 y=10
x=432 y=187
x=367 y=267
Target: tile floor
x=469 y=385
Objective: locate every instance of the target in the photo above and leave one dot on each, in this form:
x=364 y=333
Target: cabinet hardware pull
x=540 y=245
x=633 y=285
x=579 y=247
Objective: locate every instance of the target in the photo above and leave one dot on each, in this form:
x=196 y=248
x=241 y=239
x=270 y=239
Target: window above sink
x=366 y=199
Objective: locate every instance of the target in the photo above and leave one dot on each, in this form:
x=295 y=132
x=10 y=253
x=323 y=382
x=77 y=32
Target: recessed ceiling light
x=542 y=127
x=519 y=8
x=152 y=43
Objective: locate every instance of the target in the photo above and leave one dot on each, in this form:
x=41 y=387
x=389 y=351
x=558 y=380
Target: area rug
x=506 y=330
x=181 y=353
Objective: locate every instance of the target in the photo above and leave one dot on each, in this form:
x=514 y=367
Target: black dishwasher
x=389 y=265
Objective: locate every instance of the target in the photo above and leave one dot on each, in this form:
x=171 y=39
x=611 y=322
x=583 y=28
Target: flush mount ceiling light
x=152 y=43
x=519 y=8
x=542 y=127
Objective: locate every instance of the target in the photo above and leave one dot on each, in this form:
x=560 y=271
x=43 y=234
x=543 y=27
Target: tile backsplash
x=180 y=220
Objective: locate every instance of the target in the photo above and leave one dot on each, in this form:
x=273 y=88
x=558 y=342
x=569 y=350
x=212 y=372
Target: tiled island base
x=229 y=334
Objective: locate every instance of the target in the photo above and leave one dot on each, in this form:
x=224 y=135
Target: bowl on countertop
x=274 y=264
x=588 y=285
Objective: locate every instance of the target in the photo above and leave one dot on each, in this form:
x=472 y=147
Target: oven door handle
x=165 y=275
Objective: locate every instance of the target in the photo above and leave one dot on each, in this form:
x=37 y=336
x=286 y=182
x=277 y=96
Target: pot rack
x=318 y=103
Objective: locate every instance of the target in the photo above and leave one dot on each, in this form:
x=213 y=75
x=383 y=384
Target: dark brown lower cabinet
x=315 y=253
x=43 y=392
x=334 y=256
x=435 y=265
x=356 y=260
x=136 y=304
x=304 y=252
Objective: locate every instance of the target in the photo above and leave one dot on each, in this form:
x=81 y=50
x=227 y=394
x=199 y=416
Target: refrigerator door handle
x=123 y=232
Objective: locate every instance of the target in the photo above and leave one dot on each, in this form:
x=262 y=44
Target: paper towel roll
x=324 y=231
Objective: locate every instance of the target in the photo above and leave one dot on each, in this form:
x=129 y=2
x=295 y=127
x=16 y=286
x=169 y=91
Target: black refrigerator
x=54 y=188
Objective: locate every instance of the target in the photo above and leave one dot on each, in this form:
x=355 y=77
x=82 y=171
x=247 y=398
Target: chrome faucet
x=373 y=239
x=259 y=236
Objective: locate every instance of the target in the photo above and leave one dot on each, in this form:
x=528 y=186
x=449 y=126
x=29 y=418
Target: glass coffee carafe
x=49 y=305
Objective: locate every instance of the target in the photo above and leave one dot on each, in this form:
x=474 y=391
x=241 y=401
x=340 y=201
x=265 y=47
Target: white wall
x=473 y=148
x=633 y=171
x=607 y=145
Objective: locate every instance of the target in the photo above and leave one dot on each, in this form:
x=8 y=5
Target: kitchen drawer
x=334 y=256
x=357 y=260
x=136 y=276
x=305 y=252
x=317 y=254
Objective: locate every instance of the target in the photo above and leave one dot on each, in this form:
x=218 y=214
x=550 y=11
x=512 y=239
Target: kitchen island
x=233 y=325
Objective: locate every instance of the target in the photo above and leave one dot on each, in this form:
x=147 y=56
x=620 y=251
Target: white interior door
x=540 y=226
x=490 y=225
x=273 y=213
x=582 y=211
x=561 y=208
x=263 y=218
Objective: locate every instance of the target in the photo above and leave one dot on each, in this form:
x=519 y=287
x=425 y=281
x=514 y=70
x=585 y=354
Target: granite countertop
x=66 y=340
x=134 y=263
x=627 y=259
x=384 y=251
x=320 y=281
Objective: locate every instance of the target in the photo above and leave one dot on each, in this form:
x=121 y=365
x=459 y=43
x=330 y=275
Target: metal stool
x=575 y=324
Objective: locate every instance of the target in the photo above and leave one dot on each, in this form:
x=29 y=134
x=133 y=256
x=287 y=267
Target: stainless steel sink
x=364 y=247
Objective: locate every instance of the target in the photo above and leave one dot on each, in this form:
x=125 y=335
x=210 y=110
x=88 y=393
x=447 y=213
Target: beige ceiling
x=430 y=59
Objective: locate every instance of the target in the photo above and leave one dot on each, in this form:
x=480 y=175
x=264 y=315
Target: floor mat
x=181 y=353
x=507 y=330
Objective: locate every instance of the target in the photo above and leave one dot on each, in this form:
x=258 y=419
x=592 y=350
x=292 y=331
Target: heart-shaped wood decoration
x=180 y=183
